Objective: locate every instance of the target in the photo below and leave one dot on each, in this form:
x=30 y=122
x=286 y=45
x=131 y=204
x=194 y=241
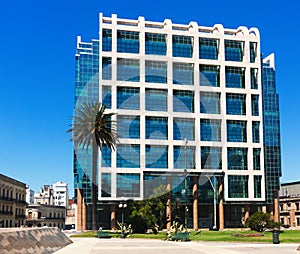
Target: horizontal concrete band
x=33 y=240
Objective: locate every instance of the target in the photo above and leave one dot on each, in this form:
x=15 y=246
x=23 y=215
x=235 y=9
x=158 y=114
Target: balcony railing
x=12 y=200
x=6 y=212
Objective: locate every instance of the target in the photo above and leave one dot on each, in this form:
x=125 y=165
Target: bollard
x=275 y=235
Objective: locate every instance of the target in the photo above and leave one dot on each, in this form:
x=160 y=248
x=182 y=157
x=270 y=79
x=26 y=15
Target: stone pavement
x=147 y=246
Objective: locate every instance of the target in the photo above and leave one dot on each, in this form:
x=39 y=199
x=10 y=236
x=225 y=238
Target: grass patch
x=287 y=236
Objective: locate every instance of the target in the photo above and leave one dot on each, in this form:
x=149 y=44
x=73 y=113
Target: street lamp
x=215 y=203
x=185 y=186
x=122 y=206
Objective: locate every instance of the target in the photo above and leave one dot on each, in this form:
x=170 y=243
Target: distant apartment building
x=40 y=215
x=290 y=204
x=196 y=111
x=71 y=217
x=12 y=202
x=29 y=195
x=56 y=194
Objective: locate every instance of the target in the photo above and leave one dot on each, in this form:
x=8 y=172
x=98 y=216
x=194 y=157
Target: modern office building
x=12 y=202
x=189 y=104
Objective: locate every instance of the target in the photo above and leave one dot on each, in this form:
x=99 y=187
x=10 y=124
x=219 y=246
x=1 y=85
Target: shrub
x=260 y=221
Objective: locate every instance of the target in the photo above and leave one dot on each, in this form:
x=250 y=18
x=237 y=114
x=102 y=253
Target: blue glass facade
x=233 y=50
x=183 y=101
x=236 y=131
x=128 y=70
x=179 y=155
x=210 y=130
x=156 y=100
x=128 y=156
x=209 y=103
x=208 y=48
x=128 y=185
x=254 y=105
x=155 y=44
x=183 y=128
x=235 y=104
x=253 y=51
x=106 y=185
x=156 y=156
x=128 y=126
x=255 y=132
x=211 y=157
x=256 y=159
x=235 y=77
x=271 y=118
x=238 y=186
x=156 y=127
x=106 y=68
x=105 y=156
x=209 y=75
x=182 y=46
x=128 y=98
x=156 y=72
x=254 y=80
x=106 y=40
x=128 y=42
x=237 y=158
x=183 y=74
x=106 y=96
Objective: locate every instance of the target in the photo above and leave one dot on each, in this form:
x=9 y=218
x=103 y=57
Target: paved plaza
x=142 y=246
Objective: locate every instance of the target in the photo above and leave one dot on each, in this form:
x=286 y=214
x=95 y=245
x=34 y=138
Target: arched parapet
x=193 y=26
x=218 y=29
x=242 y=31
x=254 y=32
x=168 y=24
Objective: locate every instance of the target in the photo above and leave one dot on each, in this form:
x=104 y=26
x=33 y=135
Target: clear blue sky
x=37 y=69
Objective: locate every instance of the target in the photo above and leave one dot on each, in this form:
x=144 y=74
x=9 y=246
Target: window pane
x=209 y=103
x=128 y=98
x=106 y=68
x=155 y=44
x=105 y=156
x=253 y=46
x=236 y=131
x=156 y=156
x=128 y=126
x=182 y=46
x=183 y=101
x=234 y=50
x=235 y=77
x=210 y=130
x=256 y=158
x=235 y=104
x=106 y=96
x=156 y=100
x=105 y=185
x=128 y=185
x=237 y=158
x=180 y=157
x=257 y=186
x=209 y=75
x=211 y=157
x=106 y=40
x=156 y=72
x=254 y=105
x=156 y=127
x=183 y=128
x=255 y=132
x=237 y=186
x=128 y=70
x=128 y=42
x=208 y=48
x=254 y=84
x=183 y=74
x=128 y=156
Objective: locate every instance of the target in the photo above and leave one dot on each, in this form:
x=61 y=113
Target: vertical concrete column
x=83 y=215
x=195 y=203
x=168 y=205
x=113 y=216
x=221 y=205
x=79 y=209
x=247 y=211
x=292 y=215
x=276 y=206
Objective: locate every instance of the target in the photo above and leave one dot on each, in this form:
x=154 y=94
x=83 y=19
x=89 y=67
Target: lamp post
x=215 y=203
x=185 y=186
x=122 y=206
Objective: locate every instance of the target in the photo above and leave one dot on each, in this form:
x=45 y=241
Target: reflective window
x=235 y=104
x=234 y=50
x=106 y=68
x=105 y=185
x=184 y=159
x=254 y=84
x=254 y=105
x=211 y=157
x=183 y=73
x=156 y=156
x=237 y=158
x=253 y=51
x=156 y=100
x=128 y=42
x=128 y=156
x=237 y=186
x=128 y=98
x=128 y=126
x=183 y=128
x=128 y=70
x=156 y=127
x=210 y=103
x=236 y=131
x=255 y=132
x=106 y=40
x=257 y=186
x=105 y=156
x=210 y=130
x=182 y=46
x=183 y=101
x=256 y=158
x=208 y=48
x=106 y=96
x=235 y=77
x=209 y=75
x=155 y=44
x=156 y=72
x=128 y=185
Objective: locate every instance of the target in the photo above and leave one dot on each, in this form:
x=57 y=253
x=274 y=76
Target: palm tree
x=91 y=128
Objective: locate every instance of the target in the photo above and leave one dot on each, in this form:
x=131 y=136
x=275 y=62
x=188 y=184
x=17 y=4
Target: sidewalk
x=145 y=246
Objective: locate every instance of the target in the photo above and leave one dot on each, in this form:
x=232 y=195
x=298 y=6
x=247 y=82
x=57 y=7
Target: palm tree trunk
x=94 y=186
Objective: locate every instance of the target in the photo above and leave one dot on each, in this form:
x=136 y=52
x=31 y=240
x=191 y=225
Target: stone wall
x=32 y=240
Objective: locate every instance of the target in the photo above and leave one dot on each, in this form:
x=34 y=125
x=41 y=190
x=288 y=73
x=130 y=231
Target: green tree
x=150 y=213
x=91 y=128
x=260 y=221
